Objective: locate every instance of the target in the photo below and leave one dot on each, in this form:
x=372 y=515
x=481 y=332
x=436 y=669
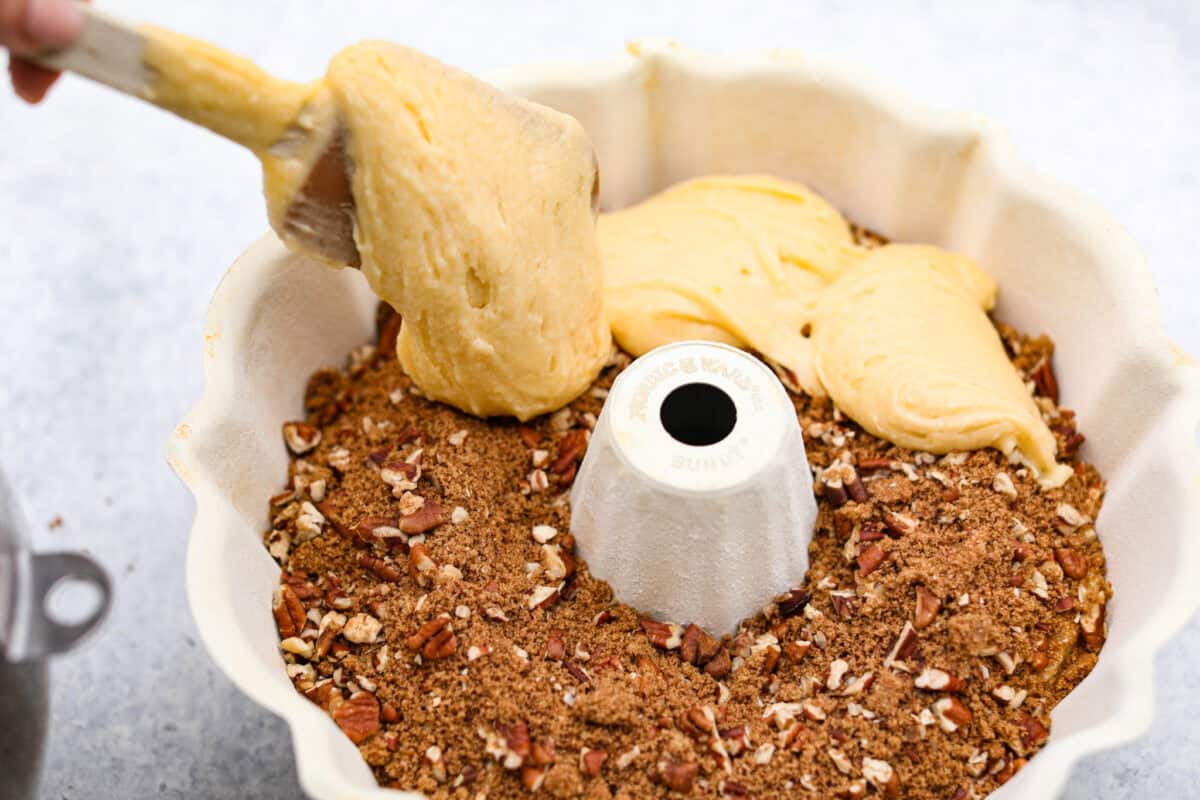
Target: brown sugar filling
x=431 y=602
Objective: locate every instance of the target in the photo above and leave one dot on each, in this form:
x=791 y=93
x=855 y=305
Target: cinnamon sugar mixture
x=430 y=602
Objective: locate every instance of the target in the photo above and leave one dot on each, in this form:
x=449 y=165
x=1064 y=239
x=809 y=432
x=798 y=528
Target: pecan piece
x=771 y=659
x=383 y=570
x=289 y=612
x=899 y=524
x=424 y=519
x=1072 y=562
x=443 y=645
x=516 y=738
x=927 y=608
x=541 y=752
x=590 y=761
x=426 y=632
x=698 y=647
x=420 y=565
x=570 y=448
x=1033 y=732
x=720 y=666
x=882 y=776
x=794 y=652
x=950 y=713
x=577 y=672
x=938 y=680
x=663 y=635
x=792 y=603
x=301 y=437
x=532 y=778
x=869 y=559
x=904 y=646
x=358 y=716
x=845 y=603
x=529 y=436
x=678 y=776
x=1044 y=380
x=389 y=331
x=556 y=649
x=856 y=489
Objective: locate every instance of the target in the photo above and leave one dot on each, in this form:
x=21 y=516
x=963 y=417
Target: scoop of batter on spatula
x=470 y=211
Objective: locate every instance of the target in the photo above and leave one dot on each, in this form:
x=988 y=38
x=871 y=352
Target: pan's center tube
x=695 y=498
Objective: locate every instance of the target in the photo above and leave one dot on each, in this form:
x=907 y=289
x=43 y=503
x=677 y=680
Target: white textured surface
x=696 y=534
x=116 y=222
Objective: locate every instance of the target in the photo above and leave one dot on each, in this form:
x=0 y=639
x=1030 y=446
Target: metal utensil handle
x=47 y=636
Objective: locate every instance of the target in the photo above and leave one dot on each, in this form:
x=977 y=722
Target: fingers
x=30 y=82
x=27 y=26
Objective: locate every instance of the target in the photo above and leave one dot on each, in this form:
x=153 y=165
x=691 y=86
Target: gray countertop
x=116 y=223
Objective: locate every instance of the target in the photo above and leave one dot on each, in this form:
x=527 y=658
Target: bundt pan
x=657 y=115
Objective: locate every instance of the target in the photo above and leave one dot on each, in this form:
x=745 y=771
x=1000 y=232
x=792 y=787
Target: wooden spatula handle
x=108 y=50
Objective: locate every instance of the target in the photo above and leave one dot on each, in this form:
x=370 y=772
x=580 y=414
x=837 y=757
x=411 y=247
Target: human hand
x=28 y=26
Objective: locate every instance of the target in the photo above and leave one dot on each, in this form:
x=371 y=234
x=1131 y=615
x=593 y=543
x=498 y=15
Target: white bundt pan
x=661 y=115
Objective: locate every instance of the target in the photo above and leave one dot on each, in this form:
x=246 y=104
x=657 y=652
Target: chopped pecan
x=904 y=647
x=290 y=616
x=425 y=518
x=927 y=608
x=358 y=716
x=698 y=647
x=529 y=436
x=420 y=565
x=382 y=569
x=389 y=331
x=301 y=437
x=426 y=632
x=720 y=666
x=869 y=559
x=541 y=752
x=663 y=635
x=882 y=776
x=516 y=738
x=938 y=680
x=696 y=722
x=443 y=645
x=855 y=488
x=591 y=761
x=556 y=649
x=369 y=530
x=845 y=603
x=950 y=713
x=570 y=448
x=532 y=777
x=1044 y=380
x=1072 y=562
x=1033 y=732
x=793 y=602
x=794 y=652
x=899 y=524
x=577 y=672
x=771 y=658
x=678 y=776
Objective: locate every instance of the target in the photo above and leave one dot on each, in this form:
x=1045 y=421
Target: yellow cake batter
x=904 y=347
x=740 y=260
x=474 y=220
x=897 y=336
x=473 y=209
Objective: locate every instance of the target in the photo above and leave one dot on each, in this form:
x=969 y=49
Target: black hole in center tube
x=698 y=414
